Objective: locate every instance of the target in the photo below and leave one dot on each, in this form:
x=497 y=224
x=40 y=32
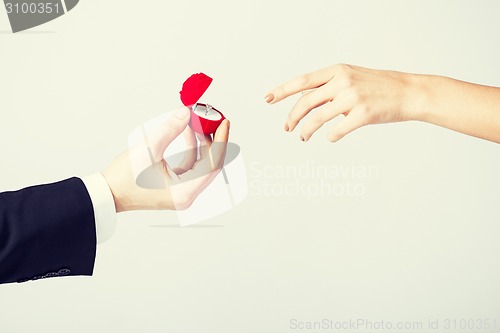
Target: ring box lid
x=194 y=88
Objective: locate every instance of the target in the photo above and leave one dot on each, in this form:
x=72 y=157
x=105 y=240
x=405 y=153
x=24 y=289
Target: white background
x=421 y=243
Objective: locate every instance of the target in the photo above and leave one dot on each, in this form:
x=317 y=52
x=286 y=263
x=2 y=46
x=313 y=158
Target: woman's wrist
x=418 y=97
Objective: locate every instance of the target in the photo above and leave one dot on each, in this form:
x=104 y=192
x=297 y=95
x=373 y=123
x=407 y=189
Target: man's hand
x=181 y=185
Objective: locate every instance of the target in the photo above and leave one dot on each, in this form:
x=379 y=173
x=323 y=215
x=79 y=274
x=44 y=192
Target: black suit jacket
x=47 y=231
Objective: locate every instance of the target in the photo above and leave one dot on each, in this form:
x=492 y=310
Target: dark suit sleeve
x=47 y=231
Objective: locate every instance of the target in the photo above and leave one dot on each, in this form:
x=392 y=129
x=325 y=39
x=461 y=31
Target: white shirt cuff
x=104 y=206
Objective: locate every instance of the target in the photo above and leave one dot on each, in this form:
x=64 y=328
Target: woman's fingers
x=340 y=105
x=309 y=101
x=354 y=120
x=300 y=83
x=339 y=89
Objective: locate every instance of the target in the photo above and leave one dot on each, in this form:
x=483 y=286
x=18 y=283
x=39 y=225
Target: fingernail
x=181 y=113
x=287 y=129
x=269 y=98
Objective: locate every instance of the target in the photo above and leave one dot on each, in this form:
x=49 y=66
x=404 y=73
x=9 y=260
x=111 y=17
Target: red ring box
x=192 y=90
x=202 y=125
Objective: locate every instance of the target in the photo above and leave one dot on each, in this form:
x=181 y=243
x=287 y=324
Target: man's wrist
x=103 y=204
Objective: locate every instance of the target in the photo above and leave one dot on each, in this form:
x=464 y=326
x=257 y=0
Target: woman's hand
x=364 y=96
x=367 y=96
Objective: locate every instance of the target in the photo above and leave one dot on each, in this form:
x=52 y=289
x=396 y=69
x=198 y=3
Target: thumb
x=162 y=135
